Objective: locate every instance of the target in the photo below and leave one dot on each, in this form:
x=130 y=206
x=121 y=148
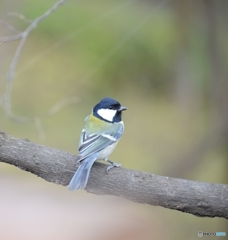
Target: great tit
x=100 y=135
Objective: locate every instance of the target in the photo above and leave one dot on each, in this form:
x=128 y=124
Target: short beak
x=122 y=108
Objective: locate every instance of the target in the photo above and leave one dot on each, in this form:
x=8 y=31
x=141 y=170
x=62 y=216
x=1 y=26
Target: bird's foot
x=113 y=164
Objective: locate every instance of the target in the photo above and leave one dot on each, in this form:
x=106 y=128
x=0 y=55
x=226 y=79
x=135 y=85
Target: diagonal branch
x=23 y=36
x=198 y=198
x=19 y=16
x=9 y=26
x=5 y=100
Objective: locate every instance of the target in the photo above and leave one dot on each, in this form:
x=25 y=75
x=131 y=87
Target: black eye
x=110 y=107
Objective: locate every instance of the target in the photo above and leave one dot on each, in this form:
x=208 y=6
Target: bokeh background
x=166 y=61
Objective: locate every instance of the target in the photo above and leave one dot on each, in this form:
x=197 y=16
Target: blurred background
x=165 y=60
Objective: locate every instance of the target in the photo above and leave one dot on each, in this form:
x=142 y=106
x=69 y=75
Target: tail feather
x=80 y=178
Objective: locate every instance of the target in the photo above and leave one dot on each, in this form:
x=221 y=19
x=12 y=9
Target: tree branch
x=198 y=198
x=5 y=100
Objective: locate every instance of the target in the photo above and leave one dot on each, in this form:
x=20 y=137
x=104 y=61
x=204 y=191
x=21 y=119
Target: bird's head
x=109 y=110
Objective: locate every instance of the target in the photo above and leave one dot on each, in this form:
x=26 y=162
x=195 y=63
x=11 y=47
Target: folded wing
x=93 y=143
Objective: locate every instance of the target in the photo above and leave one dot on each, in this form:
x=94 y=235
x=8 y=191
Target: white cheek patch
x=107 y=114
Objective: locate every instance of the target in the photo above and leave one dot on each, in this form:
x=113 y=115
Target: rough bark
x=198 y=198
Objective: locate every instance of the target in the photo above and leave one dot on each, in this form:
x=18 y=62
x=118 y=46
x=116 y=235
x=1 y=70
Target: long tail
x=80 y=178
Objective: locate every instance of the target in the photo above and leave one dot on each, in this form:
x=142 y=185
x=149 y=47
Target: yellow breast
x=94 y=125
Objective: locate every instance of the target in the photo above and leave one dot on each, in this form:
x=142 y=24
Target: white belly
x=104 y=154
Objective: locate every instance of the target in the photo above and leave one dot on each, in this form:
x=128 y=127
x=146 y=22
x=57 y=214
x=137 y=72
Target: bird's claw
x=113 y=164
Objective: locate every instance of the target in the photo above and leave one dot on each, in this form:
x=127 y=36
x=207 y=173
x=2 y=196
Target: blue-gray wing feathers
x=89 y=147
x=93 y=143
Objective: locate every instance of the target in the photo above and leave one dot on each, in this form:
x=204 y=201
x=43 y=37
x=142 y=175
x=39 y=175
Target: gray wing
x=93 y=143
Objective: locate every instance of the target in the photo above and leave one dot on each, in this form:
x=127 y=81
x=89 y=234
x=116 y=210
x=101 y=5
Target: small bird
x=100 y=135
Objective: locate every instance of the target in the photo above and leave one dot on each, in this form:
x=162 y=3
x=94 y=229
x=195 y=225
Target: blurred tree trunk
x=218 y=86
x=216 y=96
x=186 y=91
